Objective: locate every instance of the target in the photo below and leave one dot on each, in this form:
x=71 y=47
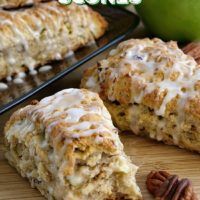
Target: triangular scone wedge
x=34 y=36
x=152 y=88
x=68 y=148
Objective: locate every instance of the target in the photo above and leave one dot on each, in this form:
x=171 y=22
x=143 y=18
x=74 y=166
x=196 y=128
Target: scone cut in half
x=151 y=88
x=47 y=31
x=68 y=148
x=18 y=3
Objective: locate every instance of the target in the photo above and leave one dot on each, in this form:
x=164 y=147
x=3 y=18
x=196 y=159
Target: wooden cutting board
x=147 y=154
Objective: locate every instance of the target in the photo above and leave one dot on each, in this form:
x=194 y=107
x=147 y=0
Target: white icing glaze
x=69 y=54
x=33 y=72
x=9 y=78
x=76 y=180
x=18 y=81
x=90 y=132
x=21 y=75
x=68 y=103
x=45 y=68
x=58 y=56
x=27 y=128
x=113 y=52
x=91 y=83
x=90 y=43
x=3 y=86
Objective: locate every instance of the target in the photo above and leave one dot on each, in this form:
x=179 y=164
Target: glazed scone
x=68 y=148
x=18 y=3
x=48 y=31
x=152 y=88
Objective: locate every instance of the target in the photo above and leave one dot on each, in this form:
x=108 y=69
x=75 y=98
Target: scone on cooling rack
x=45 y=32
x=152 y=88
x=68 y=148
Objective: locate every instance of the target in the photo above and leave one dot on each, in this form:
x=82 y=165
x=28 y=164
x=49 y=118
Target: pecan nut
x=193 y=49
x=164 y=186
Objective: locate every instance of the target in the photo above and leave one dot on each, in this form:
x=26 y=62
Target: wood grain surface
x=147 y=154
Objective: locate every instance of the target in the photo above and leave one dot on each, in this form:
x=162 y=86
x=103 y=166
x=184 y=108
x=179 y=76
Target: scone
x=152 y=88
x=48 y=31
x=68 y=148
x=18 y=3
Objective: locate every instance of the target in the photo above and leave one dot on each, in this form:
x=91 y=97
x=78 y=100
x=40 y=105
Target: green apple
x=171 y=19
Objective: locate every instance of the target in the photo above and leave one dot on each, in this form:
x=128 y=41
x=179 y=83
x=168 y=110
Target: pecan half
x=193 y=49
x=164 y=186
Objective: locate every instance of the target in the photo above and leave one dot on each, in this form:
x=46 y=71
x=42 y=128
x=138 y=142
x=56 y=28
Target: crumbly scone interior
x=142 y=121
x=62 y=169
x=152 y=88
